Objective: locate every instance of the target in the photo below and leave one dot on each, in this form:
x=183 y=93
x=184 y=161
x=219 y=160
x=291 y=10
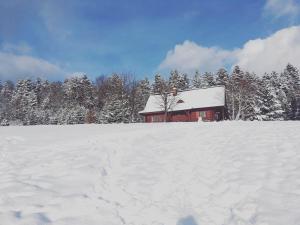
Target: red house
x=206 y=104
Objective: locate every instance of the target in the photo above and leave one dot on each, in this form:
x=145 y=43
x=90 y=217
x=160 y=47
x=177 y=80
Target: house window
x=202 y=114
x=207 y=115
x=156 y=118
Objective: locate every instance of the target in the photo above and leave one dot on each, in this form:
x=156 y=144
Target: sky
x=55 y=39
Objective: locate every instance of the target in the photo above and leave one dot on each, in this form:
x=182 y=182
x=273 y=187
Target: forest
x=118 y=98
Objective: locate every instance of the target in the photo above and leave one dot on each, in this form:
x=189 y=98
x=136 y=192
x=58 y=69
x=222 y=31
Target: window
x=156 y=118
x=207 y=115
x=202 y=114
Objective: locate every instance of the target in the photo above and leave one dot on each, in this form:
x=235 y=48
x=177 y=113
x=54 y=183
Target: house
x=207 y=104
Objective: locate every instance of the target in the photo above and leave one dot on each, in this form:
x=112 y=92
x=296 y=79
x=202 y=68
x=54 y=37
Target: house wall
x=154 y=117
x=211 y=114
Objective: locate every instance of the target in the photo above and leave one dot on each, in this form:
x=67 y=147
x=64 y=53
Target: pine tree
x=116 y=108
x=270 y=106
x=197 y=80
x=184 y=82
x=5 y=98
x=24 y=102
x=158 y=82
x=175 y=79
x=141 y=95
x=290 y=80
x=240 y=93
x=222 y=77
x=79 y=97
x=208 y=80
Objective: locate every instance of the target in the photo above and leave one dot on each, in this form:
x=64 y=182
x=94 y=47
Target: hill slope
x=160 y=174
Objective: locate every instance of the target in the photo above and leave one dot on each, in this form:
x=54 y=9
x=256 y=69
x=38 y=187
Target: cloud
x=272 y=53
x=21 y=48
x=190 y=56
x=282 y=8
x=55 y=17
x=15 y=65
x=259 y=55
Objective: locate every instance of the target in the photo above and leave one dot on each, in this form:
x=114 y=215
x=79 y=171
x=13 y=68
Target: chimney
x=174 y=91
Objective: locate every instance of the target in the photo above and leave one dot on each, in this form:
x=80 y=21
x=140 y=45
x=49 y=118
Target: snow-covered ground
x=227 y=173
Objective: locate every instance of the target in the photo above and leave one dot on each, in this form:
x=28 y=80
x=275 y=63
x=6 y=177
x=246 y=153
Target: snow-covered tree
x=158 y=81
x=116 y=107
x=174 y=79
x=240 y=93
x=79 y=98
x=166 y=97
x=290 y=81
x=222 y=77
x=269 y=104
x=208 y=80
x=6 y=92
x=138 y=96
x=184 y=82
x=79 y=91
x=24 y=102
x=197 y=80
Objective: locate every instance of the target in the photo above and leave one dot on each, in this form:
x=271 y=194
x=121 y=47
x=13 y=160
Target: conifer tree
x=290 y=80
x=158 y=81
x=197 y=80
x=184 y=82
x=208 y=80
x=116 y=108
x=6 y=92
x=222 y=77
x=175 y=79
x=24 y=102
x=270 y=106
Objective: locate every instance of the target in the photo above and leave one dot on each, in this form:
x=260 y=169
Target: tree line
x=119 y=97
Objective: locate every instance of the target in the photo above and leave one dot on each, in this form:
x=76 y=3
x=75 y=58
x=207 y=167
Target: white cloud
x=190 y=56
x=282 y=8
x=272 y=53
x=13 y=66
x=259 y=55
x=55 y=18
x=21 y=48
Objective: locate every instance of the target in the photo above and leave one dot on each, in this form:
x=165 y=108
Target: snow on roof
x=191 y=99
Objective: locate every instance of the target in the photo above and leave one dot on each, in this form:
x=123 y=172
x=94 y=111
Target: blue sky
x=57 y=38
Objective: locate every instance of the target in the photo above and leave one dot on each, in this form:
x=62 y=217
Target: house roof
x=191 y=99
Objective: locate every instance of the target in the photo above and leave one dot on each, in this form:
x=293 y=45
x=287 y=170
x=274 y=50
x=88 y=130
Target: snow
x=226 y=173
x=192 y=99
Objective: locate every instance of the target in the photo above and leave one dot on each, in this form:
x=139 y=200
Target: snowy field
x=228 y=173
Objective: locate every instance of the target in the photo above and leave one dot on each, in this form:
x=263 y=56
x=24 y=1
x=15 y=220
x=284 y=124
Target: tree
x=184 y=82
x=79 y=98
x=139 y=93
x=158 y=82
x=290 y=81
x=270 y=106
x=222 y=77
x=79 y=91
x=166 y=100
x=6 y=93
x=197 y=80
x=174 y=79
x=24 y=102
x=240 y=92
x=208 y=80
x=116 y=107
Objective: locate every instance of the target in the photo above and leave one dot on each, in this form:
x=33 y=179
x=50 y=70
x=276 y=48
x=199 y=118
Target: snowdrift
x=227 y=173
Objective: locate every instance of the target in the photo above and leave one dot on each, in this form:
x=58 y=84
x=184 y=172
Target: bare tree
x=166 y=98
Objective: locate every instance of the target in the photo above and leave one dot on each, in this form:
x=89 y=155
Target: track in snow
x=229 y=173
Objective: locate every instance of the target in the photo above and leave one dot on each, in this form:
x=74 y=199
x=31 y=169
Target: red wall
x=183 y=116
